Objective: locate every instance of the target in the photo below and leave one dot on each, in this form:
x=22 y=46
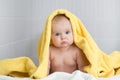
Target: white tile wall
x=14 y=29
x=16 y=34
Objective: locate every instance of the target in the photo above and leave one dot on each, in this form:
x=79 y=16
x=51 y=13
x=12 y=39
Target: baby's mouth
x=63 y=42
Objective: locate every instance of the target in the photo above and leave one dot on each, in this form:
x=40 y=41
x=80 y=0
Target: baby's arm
x=81 y=61
x=49 y=61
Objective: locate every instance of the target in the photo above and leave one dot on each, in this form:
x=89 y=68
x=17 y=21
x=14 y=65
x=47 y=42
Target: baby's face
x=61 y=34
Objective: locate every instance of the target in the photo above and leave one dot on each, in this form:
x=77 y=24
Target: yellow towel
x=18 y=67
x=101 y=65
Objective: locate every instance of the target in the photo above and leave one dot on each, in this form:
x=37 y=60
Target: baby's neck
x=66 y=48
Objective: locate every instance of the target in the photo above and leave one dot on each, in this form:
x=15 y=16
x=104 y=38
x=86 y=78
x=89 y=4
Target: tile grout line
x=15 y=42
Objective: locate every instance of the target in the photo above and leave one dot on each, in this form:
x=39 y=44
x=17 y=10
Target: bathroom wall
x=16 y=36
x=21 y=22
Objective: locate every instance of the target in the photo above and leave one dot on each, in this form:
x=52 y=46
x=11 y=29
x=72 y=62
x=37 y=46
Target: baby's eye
x=57 y=34
x=67 y=32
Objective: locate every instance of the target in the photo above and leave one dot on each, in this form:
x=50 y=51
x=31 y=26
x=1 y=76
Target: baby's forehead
x=60 y=22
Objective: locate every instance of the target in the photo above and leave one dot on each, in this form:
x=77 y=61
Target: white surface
x=77 y=75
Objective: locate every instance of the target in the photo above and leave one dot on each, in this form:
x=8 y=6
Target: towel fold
x=18 y=67
x=101 y=64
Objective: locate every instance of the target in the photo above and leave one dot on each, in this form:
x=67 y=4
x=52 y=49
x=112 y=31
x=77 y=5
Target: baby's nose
x=63 y=36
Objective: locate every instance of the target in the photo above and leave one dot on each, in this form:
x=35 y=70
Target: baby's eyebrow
x=68 y=30
x=54 y=32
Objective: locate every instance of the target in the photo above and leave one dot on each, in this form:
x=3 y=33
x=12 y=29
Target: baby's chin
x=65 y=45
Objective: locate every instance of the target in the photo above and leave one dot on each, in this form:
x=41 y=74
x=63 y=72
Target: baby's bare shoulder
x=77 y=49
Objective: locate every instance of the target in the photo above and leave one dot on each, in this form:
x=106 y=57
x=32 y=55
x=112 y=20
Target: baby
x=65 y=56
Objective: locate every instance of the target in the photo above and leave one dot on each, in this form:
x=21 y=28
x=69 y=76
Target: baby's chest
x=64 y=60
